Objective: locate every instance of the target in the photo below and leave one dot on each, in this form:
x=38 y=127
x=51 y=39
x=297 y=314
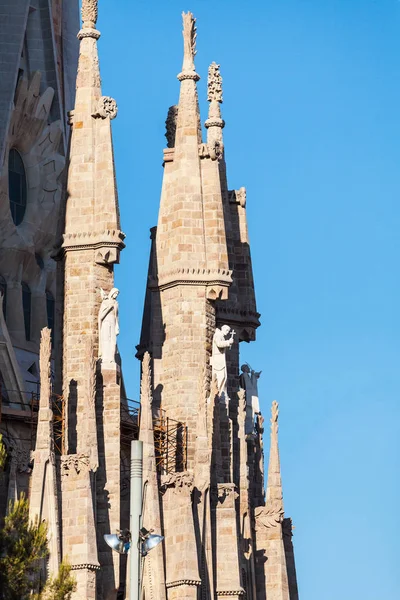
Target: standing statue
x=108 y=326
x=221 y=342
x=249 y=382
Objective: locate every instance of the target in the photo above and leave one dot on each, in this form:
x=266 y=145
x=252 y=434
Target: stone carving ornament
x=89 y=12
x=106 y=107
x=108 y=326
x=214 y=83
x=249 y=382
x=74 y=463
x=222 y=340
x=181 y=482
x=189 y=41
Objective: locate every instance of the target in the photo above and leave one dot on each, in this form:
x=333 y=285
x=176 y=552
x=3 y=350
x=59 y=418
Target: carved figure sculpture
x=108 y=325
x=249 y=382
x=221 y=342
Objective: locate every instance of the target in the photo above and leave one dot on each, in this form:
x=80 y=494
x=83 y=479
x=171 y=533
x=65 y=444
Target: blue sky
x=312 y=97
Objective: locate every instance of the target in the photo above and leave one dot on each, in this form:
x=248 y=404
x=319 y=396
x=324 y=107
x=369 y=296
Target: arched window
x=50 y=311
x=26 y=305
x=16 y=186
x=3 y=289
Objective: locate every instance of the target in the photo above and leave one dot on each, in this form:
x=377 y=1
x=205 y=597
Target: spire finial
x=89 y=13
x=189 y=41
x=214 y=123
x=214 y=83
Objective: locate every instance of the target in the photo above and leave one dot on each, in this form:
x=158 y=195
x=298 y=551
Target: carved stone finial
x=145 y=382
x=214 y=83
x=170 y=125
x=89 y=13
x=189 y=41
x=274 y=418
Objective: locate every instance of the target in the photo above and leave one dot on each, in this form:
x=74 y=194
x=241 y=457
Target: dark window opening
x=16 y=186
x=26 y=305
x=51 y=305
x=3 y=290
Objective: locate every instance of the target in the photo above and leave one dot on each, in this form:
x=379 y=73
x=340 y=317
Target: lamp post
x=135 y=517
x=138 y=541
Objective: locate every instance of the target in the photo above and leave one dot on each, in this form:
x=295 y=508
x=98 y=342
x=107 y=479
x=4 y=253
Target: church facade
x=65 y=418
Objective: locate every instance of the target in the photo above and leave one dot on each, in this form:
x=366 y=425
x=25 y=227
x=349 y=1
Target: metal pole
x=135 y=517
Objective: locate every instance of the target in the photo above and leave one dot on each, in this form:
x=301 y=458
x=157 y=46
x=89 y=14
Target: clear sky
x=312 y=100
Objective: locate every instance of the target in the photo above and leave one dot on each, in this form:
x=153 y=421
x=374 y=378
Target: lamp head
x=120 y=542
x=149 y=540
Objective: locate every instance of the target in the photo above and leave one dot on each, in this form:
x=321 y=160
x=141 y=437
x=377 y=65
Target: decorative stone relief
x=180 y=582
x=182 y=482
x=214 y=83
x=222 y=340
x=170 y=125
x=74 y=464
x=106 y=107
x=238 y=197
x=38 y=143
x=269 y=516
x=225 y=490
x=108 y=326
x=108 y=244
x=89 y=12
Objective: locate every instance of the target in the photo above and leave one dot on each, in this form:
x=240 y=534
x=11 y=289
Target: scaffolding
x=27 y=412
x=170 y=436
x=170 y=443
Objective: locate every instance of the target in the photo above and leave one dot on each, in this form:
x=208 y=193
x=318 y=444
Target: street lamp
x=143 y=540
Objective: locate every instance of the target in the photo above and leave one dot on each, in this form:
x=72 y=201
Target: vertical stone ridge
x=154 y=580
x=274 y=498
x=43 y=498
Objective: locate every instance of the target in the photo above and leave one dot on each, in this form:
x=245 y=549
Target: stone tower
x=222 y=536
x=87 y=495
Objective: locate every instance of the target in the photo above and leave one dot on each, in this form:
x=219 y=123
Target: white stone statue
x=223 y=339
x=108 y=326
x=249 y=382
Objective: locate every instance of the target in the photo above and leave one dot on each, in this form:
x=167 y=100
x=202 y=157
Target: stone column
x=227 y=544
x=108 y=476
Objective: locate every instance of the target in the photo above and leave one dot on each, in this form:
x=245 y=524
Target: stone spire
x=269 y=518
x=188 y=121
x=191 y=241
x=214 y=123
x=92 y=216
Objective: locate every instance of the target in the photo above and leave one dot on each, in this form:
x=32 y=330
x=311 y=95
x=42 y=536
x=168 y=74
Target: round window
x=16 y=186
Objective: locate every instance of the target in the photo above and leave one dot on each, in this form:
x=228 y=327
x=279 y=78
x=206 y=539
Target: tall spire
x=92 y=215
x=274 y=500
x=214 y=123
x=273 y=577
